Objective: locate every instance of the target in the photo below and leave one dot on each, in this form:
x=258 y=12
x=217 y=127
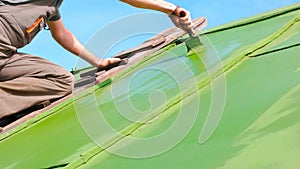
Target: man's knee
x=68 y=81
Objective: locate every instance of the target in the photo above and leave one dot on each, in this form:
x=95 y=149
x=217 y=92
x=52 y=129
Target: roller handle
x=189 y=31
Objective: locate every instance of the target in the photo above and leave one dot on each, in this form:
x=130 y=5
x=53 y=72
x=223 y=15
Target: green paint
x=287 y=38
x=268 y=129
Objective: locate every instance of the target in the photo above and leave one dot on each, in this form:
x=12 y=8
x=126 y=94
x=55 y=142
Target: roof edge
x=254 y=19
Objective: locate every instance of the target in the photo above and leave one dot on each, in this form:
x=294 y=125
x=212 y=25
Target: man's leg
x=27 y=80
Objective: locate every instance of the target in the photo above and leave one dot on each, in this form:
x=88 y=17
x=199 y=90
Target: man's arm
x=67 y=40
x=168 y=8
x=158 y=5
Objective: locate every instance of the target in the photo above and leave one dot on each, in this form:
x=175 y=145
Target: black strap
x=2 y=3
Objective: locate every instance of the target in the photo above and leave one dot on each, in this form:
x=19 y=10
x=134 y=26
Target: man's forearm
x=158 y=5
x=71 y=43
x=67 y=40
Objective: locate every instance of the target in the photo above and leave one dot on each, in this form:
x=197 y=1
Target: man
x=27 y=80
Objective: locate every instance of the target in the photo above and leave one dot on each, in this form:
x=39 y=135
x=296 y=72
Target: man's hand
x=105 y=63
x=182 y=19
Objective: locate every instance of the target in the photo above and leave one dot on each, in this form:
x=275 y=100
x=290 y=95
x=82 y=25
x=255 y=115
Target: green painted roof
x=257 y=84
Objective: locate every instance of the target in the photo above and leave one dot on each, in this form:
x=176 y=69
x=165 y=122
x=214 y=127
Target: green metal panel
x=258 y=129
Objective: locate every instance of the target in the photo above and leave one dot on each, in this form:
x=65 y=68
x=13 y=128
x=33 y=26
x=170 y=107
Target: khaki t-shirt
x=21 y=22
